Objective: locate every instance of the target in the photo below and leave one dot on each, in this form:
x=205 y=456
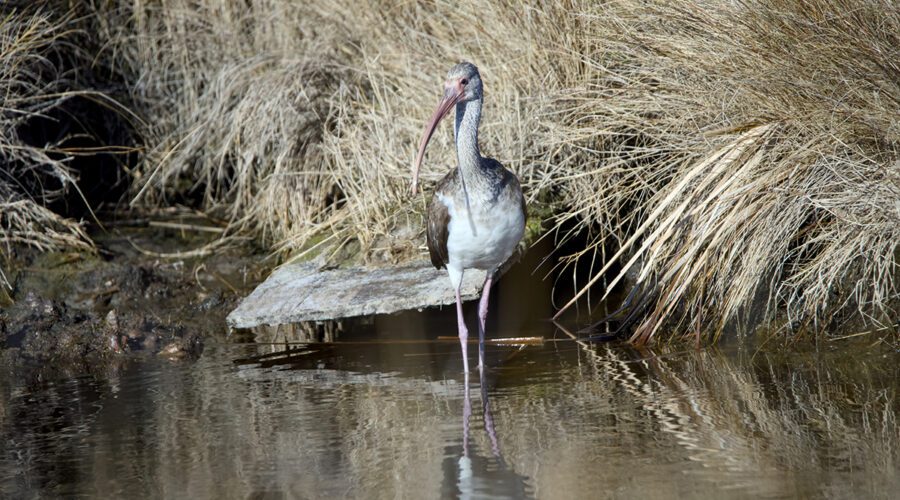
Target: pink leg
x=463 y=332
x=482 y=317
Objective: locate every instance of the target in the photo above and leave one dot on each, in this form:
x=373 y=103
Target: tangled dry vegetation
x=766 y=139
x=742 y=155
x=32 y=176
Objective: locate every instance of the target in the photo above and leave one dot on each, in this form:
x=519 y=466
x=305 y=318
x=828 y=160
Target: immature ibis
x=476 y=217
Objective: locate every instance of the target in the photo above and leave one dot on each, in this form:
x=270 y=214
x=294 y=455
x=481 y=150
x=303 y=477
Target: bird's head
x=463 y=84
x=463 y=79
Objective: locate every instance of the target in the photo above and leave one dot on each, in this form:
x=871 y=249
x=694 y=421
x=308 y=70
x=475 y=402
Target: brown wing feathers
x=438 y=224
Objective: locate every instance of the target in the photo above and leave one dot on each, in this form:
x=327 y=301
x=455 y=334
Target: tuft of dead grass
x=738 y=153
x=768 y=136
x=236 y=102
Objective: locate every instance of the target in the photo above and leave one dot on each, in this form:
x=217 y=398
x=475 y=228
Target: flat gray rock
x=303 y=292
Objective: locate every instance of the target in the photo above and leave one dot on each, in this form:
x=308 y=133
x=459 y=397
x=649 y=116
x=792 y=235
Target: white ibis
x=476 y=217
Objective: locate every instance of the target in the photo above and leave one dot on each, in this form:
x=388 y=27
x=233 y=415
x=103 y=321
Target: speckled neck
x=468 y=156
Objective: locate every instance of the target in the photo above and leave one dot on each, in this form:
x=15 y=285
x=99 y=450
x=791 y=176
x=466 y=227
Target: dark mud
x=72 y=313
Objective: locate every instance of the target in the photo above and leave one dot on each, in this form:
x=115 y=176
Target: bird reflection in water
x=486 y=415
x=474 y=475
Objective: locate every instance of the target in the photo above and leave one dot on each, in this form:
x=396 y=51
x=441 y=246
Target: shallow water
x=383 y=413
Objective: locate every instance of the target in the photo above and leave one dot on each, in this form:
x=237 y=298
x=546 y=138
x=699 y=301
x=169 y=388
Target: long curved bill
x=452 y=95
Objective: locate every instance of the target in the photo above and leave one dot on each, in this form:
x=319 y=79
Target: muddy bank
x=78 y=312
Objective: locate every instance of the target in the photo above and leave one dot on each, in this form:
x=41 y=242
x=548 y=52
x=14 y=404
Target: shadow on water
x=384 y=411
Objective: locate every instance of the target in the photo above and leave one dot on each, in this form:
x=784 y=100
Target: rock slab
x=305 y=292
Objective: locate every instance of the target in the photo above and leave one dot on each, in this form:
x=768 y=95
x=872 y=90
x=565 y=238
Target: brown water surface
x=373 y=417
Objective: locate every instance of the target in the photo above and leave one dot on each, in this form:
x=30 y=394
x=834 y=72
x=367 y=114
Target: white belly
x=486 y=239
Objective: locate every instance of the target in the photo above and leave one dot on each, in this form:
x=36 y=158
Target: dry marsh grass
x=295 y=120
x=32 y=176
x=772 y=131
x=742 y=156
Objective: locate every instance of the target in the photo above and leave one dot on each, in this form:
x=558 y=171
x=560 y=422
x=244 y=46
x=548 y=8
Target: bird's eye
x=464 y=81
